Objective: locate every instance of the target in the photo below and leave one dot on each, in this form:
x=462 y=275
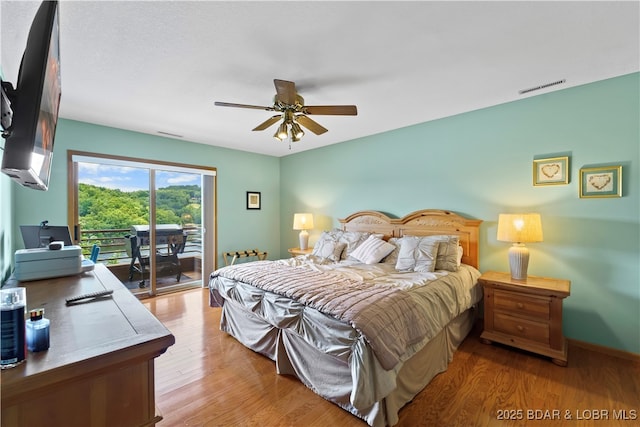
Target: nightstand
x=298 y=251
x=526 y=314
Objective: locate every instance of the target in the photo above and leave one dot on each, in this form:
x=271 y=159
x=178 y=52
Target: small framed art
x=552 y=171
x=601 y=182
x=253 y=200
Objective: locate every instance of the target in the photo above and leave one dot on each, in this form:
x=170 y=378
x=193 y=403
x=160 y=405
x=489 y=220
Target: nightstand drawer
x=533 y=306
x=523 y=328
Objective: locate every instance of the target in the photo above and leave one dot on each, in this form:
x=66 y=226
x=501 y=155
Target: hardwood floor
x=209 y=379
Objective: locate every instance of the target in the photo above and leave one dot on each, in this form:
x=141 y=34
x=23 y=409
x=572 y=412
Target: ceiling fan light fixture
x=296 y=131
x=282 y=133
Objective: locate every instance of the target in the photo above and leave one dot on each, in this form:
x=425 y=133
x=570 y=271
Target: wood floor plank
x=208 y=379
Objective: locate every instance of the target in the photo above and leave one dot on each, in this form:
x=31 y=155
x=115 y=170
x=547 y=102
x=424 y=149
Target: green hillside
x=104 y=208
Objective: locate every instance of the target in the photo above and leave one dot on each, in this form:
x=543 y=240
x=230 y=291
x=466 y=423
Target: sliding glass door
x=154 y=223
x=176 y=201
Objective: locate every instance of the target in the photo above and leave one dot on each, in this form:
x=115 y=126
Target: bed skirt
x=376 y=398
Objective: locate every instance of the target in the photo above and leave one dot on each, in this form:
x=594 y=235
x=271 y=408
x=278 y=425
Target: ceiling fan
x=293 y=112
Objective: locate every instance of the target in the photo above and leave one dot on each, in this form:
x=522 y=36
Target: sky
x=130 y=179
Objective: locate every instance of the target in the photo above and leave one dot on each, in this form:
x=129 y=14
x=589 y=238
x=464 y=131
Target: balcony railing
x=113 y=249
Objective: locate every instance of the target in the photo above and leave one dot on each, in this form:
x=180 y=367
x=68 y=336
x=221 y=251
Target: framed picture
x=553 y=171
x=253 y=200
x=601 y=182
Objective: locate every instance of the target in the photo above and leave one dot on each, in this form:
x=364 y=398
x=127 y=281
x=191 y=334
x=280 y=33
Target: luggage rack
x=243 y=254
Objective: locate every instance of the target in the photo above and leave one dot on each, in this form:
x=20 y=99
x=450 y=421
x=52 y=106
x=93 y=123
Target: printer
x=45 y=263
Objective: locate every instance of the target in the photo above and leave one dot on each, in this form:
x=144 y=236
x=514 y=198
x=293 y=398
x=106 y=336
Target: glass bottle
x=37 y=331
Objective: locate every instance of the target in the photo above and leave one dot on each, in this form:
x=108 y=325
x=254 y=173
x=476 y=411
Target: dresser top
x=95 y=335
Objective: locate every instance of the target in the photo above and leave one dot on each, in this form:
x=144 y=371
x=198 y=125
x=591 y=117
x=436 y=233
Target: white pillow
x=372 y=250
x=417 y=254
x=352 y=239
x=460 y=254
x=328 y=249
x=324 y=236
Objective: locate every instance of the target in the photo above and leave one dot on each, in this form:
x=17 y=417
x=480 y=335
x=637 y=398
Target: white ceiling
x=152 y=66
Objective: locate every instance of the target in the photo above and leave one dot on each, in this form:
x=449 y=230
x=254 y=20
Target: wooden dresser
x=525 y=313
x=99 y=369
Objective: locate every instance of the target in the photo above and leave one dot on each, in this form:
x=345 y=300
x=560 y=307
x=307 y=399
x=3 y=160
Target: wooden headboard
x=426 y=222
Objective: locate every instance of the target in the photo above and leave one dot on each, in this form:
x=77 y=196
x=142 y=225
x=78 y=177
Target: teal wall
x=479 y=164
x=237 y=173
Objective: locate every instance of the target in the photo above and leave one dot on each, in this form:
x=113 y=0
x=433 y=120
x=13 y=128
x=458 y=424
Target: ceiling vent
x=544 y=86
x=173 y=135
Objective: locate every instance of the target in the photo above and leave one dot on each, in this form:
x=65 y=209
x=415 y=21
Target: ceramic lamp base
x=518 y=261
x=304 y=239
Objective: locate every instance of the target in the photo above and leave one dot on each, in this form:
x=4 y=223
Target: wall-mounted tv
x=29 y=126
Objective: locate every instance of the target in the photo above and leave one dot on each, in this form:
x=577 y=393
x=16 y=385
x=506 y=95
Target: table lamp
x=519 y=229
x=303 y=222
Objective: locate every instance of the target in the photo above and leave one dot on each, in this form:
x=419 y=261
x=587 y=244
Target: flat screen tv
x=34 y=104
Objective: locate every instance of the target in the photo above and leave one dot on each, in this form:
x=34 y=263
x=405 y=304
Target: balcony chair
x=166 y=263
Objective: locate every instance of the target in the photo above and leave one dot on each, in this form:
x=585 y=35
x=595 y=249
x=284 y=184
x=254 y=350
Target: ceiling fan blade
x=331 y=110
x=285 y=91
x=255 y=107
x=310 y=124
x=268 y=122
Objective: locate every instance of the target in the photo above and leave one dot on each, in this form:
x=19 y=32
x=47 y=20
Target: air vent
x=544 y=86
x=174 y=135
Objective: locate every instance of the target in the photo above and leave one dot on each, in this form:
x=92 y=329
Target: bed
x=365 y=332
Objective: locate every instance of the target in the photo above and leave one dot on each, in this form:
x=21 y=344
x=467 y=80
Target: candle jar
x=37 y=331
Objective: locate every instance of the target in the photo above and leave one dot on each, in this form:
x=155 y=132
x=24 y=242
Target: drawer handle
x=520 y=328
x=520 y=305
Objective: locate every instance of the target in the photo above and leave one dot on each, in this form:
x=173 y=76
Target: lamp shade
x=302 y=221
x=519 y=228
